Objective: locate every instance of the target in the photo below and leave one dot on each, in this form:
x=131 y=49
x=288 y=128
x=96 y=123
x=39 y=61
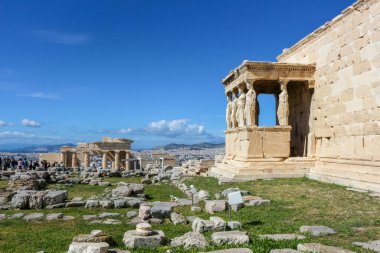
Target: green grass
x=295 y=202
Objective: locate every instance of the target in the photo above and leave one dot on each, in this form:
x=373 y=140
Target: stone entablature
x=259 y=72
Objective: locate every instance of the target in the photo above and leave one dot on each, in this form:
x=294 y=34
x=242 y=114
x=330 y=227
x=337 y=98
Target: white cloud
x=173 y=128
x=41 y=95
x=3 y=123
x=58 y=37
x=12 y=134
x=122 y=131
x=30 y=123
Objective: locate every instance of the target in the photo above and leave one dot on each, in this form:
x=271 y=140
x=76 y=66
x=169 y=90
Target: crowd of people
x=12 y=163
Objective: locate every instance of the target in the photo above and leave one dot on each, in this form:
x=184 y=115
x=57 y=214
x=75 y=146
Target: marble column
x=86 y=159
x=117 y=159
x=104 y=160
x=127 y=163
x=64 y=158
x=74 y=160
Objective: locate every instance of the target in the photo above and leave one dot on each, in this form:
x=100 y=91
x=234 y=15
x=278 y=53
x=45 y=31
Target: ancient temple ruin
x=326 y=89
x=115 y=150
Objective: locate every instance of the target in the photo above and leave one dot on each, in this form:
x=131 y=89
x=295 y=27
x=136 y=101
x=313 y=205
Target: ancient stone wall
x=346 y=104
x=51 y=157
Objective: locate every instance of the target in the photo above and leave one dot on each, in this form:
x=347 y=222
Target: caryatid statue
x=283 y=105
x=229 y=110
x=240 y=109
x=250 y=105
x=234 y=108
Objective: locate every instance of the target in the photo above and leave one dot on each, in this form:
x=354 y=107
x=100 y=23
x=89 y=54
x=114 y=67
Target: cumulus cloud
x=59 y=37
x=30 y=123
x=3 y=123
x=41 y=95
x=174 y=128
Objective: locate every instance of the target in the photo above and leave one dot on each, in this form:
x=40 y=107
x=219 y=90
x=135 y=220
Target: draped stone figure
x=283 y=105
x=229 y=110
x=234 y=111
x=240 y=109
x=250 y=106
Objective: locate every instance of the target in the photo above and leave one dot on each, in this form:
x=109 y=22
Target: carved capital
x=283 y=82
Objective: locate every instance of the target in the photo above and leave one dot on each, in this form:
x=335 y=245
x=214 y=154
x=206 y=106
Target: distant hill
x=38 y=149
x=190 y=146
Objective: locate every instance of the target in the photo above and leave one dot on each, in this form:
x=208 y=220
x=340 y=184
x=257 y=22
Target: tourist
x=19 y=164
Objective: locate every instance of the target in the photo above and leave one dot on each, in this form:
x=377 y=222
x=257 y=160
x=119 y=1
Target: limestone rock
x=284 y=251
x=144 y=229
x=203 y=195
x=54 y=216
x=75 y=204
x=88 y=247
x=15 y=216
x=317 y=230
x=33 y=217
x=177 y=218
x=196 y=209
x=155 y=221
x=201 y=226
x=320 y=248
x=258 y=202
x=92 y=203
x=36 y=201
x=161 y=210
x=122 y=191
x=21 y=199
x=144 y=212
x=107 y=215
x=111 y=222
x=106 y=203
x=68 y=217
x=371 y=245
x=234 y=225
x=55 y=197
x=131 y=214
x=219 y=223
x=2 y=216
x=190 y=240
x=230 y=237
x=89 y=217
x=279 y=237
x=133 y=240
x=119 y=202
x=213 y=206
x=233 y=250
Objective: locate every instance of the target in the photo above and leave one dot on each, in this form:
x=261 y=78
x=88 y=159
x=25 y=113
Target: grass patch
x=295 y=202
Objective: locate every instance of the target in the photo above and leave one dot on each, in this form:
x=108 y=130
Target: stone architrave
x=234 y=110
x=229 y=110
x=283 y=105
x=240 y=108
x=250 y=105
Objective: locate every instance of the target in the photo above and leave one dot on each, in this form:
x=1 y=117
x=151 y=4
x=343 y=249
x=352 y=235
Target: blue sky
x=76 y=70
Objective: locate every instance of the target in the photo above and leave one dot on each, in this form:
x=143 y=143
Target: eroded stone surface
x=279 y=237
x=190 y=240
x=230 y=237
x=320 y=248
x=133 y=240
x=371 y=245
x=317 y=230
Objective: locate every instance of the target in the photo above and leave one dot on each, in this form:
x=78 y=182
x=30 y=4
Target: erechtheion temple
x=327 y=93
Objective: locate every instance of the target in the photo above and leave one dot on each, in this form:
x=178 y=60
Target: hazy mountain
x=190 y=146
x=38 y=149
